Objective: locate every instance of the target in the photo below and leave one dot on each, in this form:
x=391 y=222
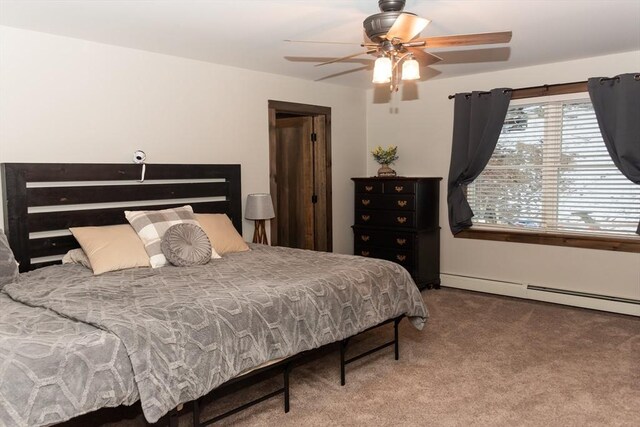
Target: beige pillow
x=151 y=226
x=223 y=235
x=112 y=247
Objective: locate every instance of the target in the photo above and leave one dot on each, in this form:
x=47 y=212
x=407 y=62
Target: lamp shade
x=410 y=69
x=382 y=70
x=259 y=206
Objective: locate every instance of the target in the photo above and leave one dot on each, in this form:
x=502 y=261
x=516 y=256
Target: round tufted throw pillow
x=186 y=244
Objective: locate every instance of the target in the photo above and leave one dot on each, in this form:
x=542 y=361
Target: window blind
x=551 y=171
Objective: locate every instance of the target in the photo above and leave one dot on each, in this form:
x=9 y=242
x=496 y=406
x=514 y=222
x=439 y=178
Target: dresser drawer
x=386 y=218
x=399 y=187
x=366 y=251
x=369 y=187
x=384 y=239
x=404 y=258
x=383 y=201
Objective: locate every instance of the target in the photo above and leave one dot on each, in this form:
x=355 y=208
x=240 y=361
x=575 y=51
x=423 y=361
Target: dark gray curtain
x=477 y=122
x=616 y=103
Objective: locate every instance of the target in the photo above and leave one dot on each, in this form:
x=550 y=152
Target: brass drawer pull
x=401 y=242
x=402 y=219
x=365 y=217
x=399 y=188
x=366 y=202
x=365 y=253
x=365 y=238
x=368 y=187
x=402 y=203
x=401 y=257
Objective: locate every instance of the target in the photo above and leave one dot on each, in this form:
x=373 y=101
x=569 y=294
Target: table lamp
x=259 y=208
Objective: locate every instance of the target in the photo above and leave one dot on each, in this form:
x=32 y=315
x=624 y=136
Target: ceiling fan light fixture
x=410 y=69
x=393 y=36
x=382 y=70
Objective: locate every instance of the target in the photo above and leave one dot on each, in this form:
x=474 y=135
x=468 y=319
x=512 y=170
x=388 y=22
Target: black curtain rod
x=547 y=87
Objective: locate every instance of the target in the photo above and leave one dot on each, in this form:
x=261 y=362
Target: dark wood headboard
x=42 y=200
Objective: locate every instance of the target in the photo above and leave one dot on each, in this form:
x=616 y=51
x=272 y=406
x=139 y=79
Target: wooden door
x=300 y=175
x=295 y=182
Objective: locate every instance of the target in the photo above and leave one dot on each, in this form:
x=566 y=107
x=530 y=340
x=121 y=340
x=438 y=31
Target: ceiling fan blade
x=415 y=44
x=466 y=39
x=424 y=58
x=342 y=73
x=319 y=41
x=317 y=59
x=406 y=27
x=476 y=55
x=347 y=57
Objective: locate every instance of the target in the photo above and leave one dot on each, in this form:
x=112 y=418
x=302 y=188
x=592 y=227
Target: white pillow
x=77 y=256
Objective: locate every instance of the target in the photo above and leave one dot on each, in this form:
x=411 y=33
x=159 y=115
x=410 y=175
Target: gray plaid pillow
x=8 y=264
x=151 y=226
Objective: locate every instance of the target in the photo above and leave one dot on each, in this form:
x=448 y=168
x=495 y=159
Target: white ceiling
x=250 y=33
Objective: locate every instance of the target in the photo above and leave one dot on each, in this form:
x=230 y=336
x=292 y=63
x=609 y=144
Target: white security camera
x=139 y=157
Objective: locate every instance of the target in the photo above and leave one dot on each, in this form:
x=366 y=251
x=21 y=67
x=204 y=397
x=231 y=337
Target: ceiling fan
x=392 y=36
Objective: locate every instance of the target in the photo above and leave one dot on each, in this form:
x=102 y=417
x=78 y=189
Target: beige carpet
x=481 y=360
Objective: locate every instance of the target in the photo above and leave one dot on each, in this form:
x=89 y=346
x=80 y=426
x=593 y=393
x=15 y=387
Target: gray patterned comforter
x=187 y=330
x=53 y=368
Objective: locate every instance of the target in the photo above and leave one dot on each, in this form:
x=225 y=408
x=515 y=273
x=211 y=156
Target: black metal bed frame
x=66 y=185
x=285 y=367
x=345 y=342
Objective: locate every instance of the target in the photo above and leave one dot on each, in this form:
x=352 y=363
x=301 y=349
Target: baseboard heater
x=582 y=294
x=630 y=306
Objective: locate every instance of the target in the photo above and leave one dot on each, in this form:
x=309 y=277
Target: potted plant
x=385 y=157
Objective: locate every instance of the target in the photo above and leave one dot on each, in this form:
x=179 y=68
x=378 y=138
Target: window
x=551 y=173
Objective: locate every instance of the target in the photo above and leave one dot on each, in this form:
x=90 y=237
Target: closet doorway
x=300 y=175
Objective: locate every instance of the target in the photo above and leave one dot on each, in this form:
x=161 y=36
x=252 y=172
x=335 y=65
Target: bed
x=173 y=334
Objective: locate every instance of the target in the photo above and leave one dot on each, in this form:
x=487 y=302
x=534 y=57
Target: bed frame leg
x=196 y=413
x=287 y=371
x=396 y=340
x=173 y=418
x=395 y=343
x=343 y=352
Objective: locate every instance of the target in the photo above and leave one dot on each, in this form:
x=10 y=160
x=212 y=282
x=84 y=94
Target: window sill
x=613 y=243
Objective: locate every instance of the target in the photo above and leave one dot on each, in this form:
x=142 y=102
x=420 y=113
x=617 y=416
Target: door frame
x=276 y=107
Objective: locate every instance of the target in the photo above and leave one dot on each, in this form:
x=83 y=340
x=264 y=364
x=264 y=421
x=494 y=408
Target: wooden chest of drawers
x=397 y=219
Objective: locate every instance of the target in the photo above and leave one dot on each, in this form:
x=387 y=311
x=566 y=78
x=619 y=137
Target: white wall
x=69 y=100
x=422 y=129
